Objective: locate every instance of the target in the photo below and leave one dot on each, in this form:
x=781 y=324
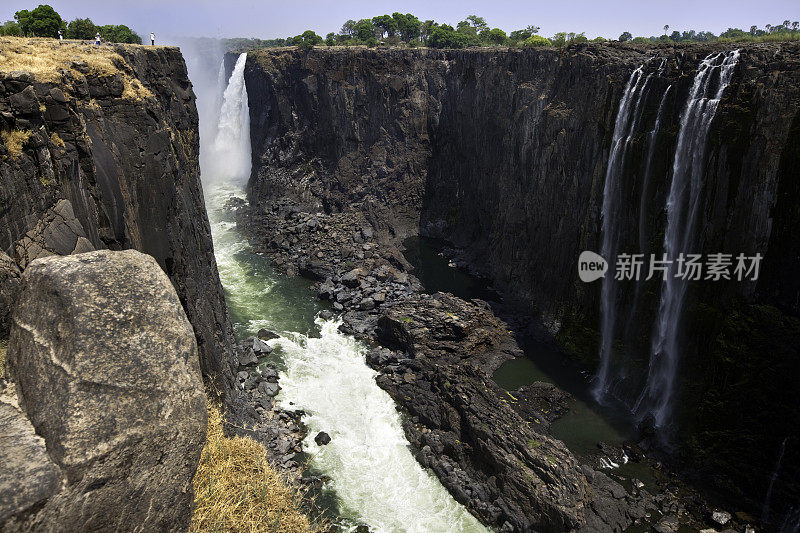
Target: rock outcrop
x=103 y=153
x=9 y=285
x=504 y=153
x=105 y=365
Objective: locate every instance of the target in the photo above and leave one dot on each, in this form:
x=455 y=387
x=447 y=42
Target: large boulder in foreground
x=106 y=368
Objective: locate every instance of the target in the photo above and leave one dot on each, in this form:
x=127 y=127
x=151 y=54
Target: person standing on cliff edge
x=152 y=39
x=60 y=36
x=97 y=39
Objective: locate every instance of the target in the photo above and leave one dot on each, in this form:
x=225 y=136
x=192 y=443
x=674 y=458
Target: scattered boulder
x=350 y=279
x=106 y=369
x=248 y=358
x=721 y=517
x=668 y=524
x=266 y=335
x=260 y=347
x=268 y=388
x=322 y=438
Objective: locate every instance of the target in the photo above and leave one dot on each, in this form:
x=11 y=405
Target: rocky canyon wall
x=505 y=154
x=102 y=152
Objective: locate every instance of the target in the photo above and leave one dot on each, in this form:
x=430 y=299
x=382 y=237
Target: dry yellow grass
x=235 y=489
x=45 y=57
x=14 y=140
x=3 y=352
x=56 y=140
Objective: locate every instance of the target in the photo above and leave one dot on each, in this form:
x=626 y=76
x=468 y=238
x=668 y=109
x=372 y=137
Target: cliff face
x=505 y=154
x=102 y=152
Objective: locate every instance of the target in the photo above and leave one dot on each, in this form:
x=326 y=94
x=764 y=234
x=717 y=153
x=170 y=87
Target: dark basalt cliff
x=504 y=153
x=110 y=160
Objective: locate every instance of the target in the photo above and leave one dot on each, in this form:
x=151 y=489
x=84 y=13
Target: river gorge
x=373 y=261
x=418 y=143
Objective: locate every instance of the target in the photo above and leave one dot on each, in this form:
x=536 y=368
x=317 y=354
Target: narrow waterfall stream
x=374 y=478
x=624 y=127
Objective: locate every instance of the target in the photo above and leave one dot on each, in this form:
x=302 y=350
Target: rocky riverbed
x=435 y=354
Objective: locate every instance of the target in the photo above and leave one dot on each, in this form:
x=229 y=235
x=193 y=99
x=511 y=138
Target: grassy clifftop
x=49 y=61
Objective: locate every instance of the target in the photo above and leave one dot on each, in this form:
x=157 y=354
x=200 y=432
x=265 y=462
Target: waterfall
x=772 y=479
x=627 y=119
x=371 y=470
x=651 y=148
x=229 y=153
x=713 y=76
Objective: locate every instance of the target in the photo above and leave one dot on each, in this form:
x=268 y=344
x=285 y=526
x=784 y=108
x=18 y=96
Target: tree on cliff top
x=43 y=21
x=81 y=29
x=306 y=41
x=119 y=33
x=11 y=28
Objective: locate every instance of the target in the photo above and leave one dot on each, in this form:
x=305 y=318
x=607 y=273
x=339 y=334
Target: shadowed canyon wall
x=109 y=159
x=505 y=153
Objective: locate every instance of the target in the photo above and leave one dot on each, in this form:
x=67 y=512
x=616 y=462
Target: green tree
x=81 y=29
x=347 y=28
x=478 y=22
x=495 y=36
x=307 y=40
x=559 y=39
x=537 y=40
x=119 y=33
x=446 y=36
x=733 y=33
x=466 y=28
x=408 y=25
x=43 y=21
x=626 y=36
x=425 y=29
x=521 y=35
x=364 y=30
x=11 y=28
x=386 y=24
x=330 y=39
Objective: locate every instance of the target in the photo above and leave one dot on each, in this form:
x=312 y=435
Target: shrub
x=14 y=140
x=11 y=28
x=494 y=36
x=119 y=33
x=537 y=40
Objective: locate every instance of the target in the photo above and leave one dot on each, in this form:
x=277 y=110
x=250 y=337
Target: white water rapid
x=372 y=472
x=713 y=76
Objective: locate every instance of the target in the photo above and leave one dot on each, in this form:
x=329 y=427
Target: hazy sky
x=268 y=18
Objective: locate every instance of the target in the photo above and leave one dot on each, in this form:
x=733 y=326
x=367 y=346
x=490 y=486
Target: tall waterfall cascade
x=372 y=472
x=229 y=153
x=628 y=117
x=712 y=78
x=687 y=177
